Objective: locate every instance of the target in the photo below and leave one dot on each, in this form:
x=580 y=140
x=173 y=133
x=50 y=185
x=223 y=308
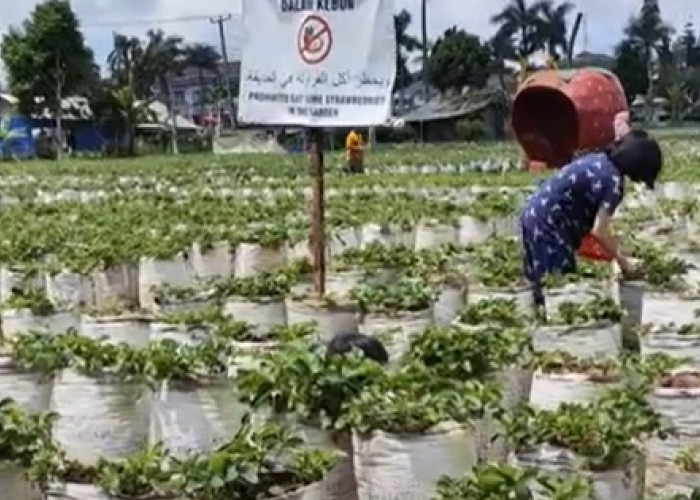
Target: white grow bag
x=98 y=419
x=669 y=481
x=253 y=258
x=473 y=231
x=31 y=391
x=133 y=330
x=10 y=279
x=214 y=262
x=14 y=486
x=522 y=296
x=68 y=290
x=606 y=485
x=340 y=483
x=330 y=320
x=577 y=293
x=664 y=308
x=398 y=330
x=188 y=417
x=117 y=285
x=680 y=408
x=343 y=239
x=506 y=227
x=154 y=273
x=451 y=298
x=263 y=314
x=602 y=339
x=17 y=321
x=432 y=235
x=409 y=466
x=550 y=390
x=340 y=283
x=666 y=340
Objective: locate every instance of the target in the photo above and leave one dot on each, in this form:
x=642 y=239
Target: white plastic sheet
x=680 y=408
x=253 y=258
x=330 y=320
x=340 y=283
x=597 y=340
x=409 y=466
x=131 y=329
x=344 y=239
x=214 y=262
x=72 y=491
x=506 y=227
x=17 y=321
x=665 y=308
x=472 y=231
x=262 y=315
x=396 y=331
x=194 y=417
x=14 y=486
x=68 y=290
x=432 y=235
x=117 y=285
x=607 y=485
x=450 y=300
x=550 y=390
x=31 y=391
x=98 y=419
x=153 y=273
x=668 y=341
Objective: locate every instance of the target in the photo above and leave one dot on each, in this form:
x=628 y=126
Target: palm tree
x=405 y=44
x=554 y=28
x=502 y=48
x=203 y=57
x=522 y=22
x=649 y=34
x=164 y=57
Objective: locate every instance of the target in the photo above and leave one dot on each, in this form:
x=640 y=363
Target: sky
x=604 y=19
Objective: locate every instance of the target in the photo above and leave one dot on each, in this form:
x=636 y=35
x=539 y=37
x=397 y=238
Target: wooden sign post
x=317 y=65
x=318 y=226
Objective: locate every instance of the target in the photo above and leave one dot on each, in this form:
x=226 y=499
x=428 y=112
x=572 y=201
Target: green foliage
x=302 y=379
x=47 y=58
x=458 y=59
x=502 y=312
x=402 y=295
x=598 y=308
x=500 y=481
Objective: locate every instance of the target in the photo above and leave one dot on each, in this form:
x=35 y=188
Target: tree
x=523 y=23
x=553 y=28
x=631 y=69
x=405 y=44
x=164 y=57
x=502 y=48
x=47 y=60
x=649 y=34
x=458 y=59
x=203 y=57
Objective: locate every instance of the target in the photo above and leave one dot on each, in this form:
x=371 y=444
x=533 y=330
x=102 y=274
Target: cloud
x=604 y=19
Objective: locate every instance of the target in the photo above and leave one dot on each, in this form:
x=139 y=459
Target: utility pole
x=220 y=20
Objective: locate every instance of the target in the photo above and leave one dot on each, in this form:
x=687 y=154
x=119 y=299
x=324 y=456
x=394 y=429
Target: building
x=192 y=87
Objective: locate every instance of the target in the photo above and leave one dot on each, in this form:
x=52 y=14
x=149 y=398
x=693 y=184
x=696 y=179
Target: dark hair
x=638 y=156
x=372 y=348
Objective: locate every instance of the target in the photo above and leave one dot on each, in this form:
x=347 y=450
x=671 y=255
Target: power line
x=145 y=22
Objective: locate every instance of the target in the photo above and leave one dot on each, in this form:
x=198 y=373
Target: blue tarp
x=19 y=142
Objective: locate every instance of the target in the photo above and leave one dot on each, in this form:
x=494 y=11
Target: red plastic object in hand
x=592 y=249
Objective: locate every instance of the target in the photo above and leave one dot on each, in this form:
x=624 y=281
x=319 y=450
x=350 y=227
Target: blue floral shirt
x=563 y=211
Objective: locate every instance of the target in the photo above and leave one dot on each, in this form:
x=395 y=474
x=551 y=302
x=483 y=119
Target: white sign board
x=317 y=63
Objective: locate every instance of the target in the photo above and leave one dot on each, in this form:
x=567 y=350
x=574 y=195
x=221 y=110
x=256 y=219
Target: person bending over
x=581 y=199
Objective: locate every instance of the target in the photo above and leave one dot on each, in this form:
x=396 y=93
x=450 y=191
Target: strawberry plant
x=403 y=295
x=458 y=354
x=560 y=362
x=498 y=264
x=301 y=378
x=492 y=311
x=598 y=308
x=34 y=300
x=499 y=481
x=413 y=400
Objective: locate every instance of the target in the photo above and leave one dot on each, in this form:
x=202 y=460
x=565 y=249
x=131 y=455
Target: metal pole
x=220 y=20
x=317 y=236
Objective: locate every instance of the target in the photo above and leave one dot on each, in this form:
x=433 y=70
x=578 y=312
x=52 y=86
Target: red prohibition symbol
x=314 y=39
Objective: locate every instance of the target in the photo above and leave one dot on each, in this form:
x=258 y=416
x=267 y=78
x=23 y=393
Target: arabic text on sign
x=316 y=5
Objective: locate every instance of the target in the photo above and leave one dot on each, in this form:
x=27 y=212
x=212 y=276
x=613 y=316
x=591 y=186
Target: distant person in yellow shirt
x=354 y=153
